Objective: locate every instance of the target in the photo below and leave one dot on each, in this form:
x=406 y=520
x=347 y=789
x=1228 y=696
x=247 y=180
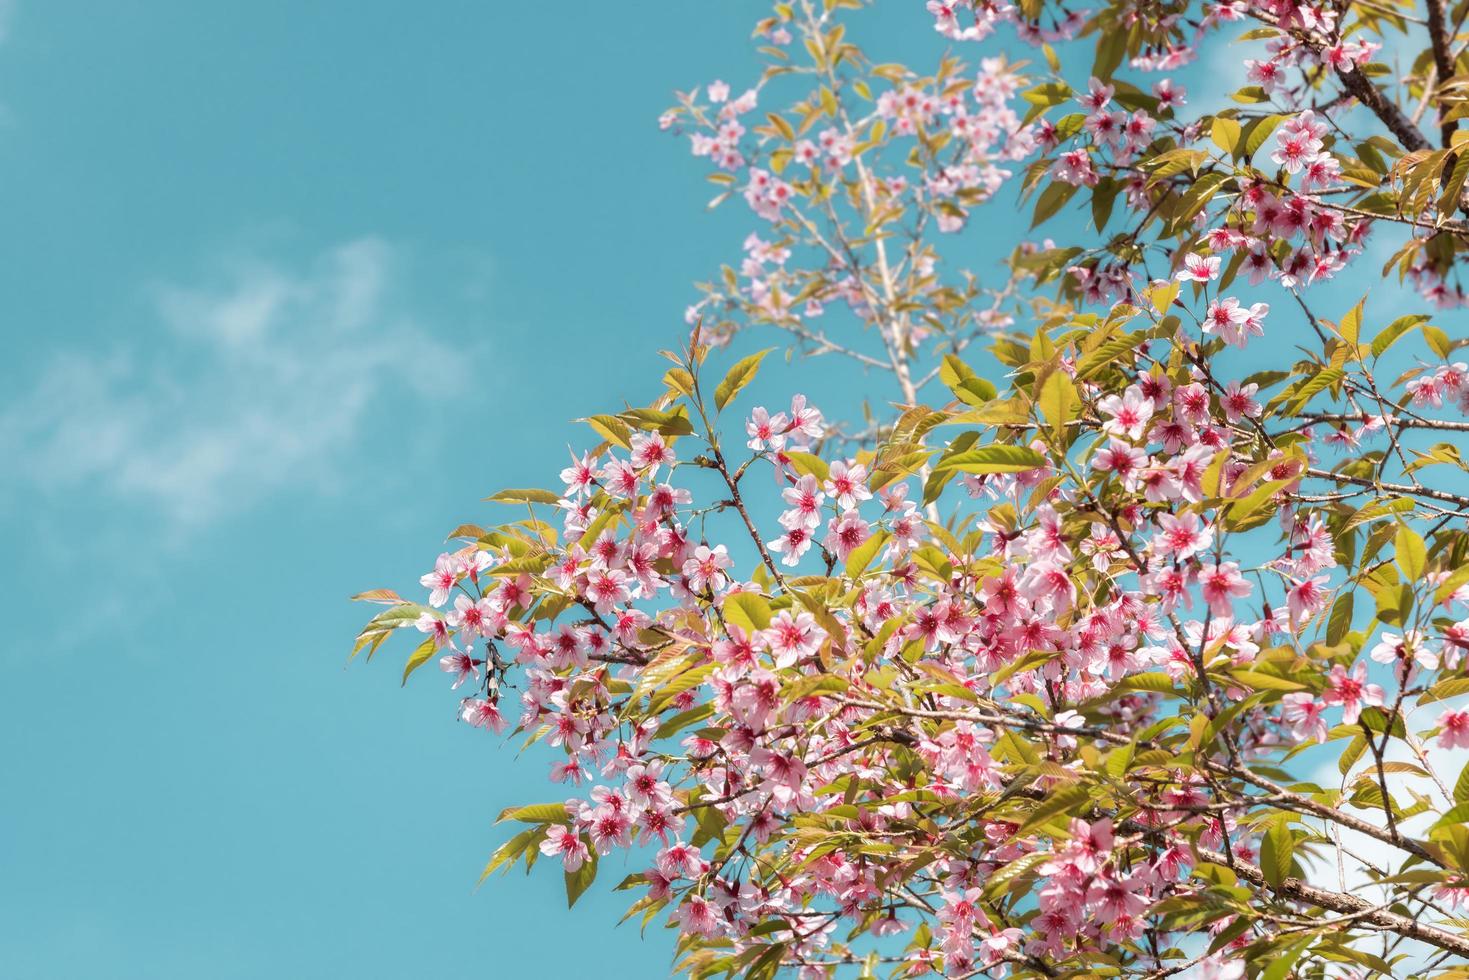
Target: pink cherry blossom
x=1454 y=733
x=1129 y=414
x=1199 y=268
x=1351 y=691
x=705 y=569
x=1221 y=584
x=563 y=842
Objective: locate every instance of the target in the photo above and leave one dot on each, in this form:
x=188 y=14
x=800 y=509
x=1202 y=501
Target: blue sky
x=287 y=288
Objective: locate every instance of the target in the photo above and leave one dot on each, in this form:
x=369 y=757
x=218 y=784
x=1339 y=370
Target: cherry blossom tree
x=1099 y=650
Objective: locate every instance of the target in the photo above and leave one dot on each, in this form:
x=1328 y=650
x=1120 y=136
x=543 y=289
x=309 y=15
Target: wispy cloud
x=256 y=380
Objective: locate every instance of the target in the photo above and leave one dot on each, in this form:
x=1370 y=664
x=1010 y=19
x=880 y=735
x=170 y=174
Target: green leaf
x=995 y=884
x=1258 y=132
x=386 y=596
x=1280 y=965
x=805 y=687
x=668 y=664
x=1104 y=199
x=995 y=458
x=1111 y=49
x=612 y=429
x=766 y=966
x=1065 y=800
x=381 y=626
x=1448 y=201
x=524 y=497
x=739 y=376
x=1275 y=853
x=1052 y=199
x=1395 y=330
x=1154 y=680
x=961 y=379
x=953 y=372
x=687 y=679
x=581 y=879
x=1340 y=620
x=1012 y=747
x=1119 y=760
x=419 y=657
x=508 y=852
x=1449 y=687
x=1461 y=788
x=863 y=554
x=1047 y=94
x=1437 y=339
x=1318 y=382
x=535 y=813
x=1225 y=133
x=680 y=381
x=1241 y=512
x=1351 y=324
x=809 y=464
x=1108 y=352
x=1261 y=681
x=976 y=391
x=747 y=610
x=674 y=423
x=1412 y=556
x=1058 y=402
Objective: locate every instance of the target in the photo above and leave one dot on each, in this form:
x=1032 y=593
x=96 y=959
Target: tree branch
x=1299 y=891
x=1392 y=117
x=1442 y=60
x=1402 y=488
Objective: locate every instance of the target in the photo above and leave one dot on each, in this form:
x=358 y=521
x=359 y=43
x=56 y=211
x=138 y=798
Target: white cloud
x=256 y=381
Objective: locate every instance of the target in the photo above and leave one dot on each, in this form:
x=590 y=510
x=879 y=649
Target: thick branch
x=1392 y=117
x=1445 y=497
x=1442 y=425
x=1442 y=60
x=1293 y=800
x=1305 y=804
x=1300 y=891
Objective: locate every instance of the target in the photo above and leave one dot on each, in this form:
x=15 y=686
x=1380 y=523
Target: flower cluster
x=1020 y=677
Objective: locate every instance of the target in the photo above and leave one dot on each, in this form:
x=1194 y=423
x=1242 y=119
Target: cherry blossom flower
x=1221 y=584
x=792 y=545
x=1183 y=536
x=1351 y=691
x=1306 y=598
x=765 y=430
x=563 y=842
x=792 y=638
x=1304 y=714
x=805 y=501
x=846 y=533
x=847 y=484
x=483 y=713
x=446 y=573
x=462 y=665
x=436 y=628
x=1199 y=268
x=1454 y=730
x=1128 y=414
x=705 y=568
